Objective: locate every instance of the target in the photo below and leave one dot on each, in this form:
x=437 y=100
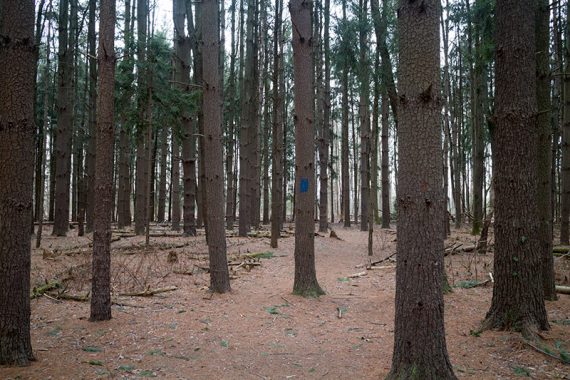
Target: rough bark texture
x=305 y=275
x=544 y=147
x=419 y=344
x=247 y=162
x=65 y=125
x=101 y=282
x=565 y=175
x=175 y=184
x=517 y=302
x=385 y=163
x=141 y=162
x=364 y=120
x=277 y=132
x=92 y=120
x=214 y=168
x=17 y=79
x=345 y=195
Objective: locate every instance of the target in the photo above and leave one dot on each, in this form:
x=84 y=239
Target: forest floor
x=260 y=330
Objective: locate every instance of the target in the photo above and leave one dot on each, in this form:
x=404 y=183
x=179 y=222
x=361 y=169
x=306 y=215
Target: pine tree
x=17 y=50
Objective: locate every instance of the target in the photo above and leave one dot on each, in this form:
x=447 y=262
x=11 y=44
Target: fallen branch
x=544 y=352
x=384 y=259
x=561 y=249
x=149 y=292
x=562 y=289
x=356 y=275
x=381 y=267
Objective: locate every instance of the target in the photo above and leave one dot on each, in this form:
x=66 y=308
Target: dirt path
x=261 y=331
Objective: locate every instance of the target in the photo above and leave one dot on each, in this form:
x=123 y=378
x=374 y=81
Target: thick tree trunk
x=214 y=168
x=305 y=283
x=517 y=302
x=101 y=283
x=419 y=344
x=345 y=176
x=17 y=80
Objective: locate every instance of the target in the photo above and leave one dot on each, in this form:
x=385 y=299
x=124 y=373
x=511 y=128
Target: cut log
x=561 y=249
x=562 y=289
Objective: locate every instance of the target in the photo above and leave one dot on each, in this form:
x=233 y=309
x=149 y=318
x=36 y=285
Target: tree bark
x=65 y=123
x=277 y=132
x=141 y=162
x=305 y=282
x=17 y=81
x=345 y=176
x=214 y=168
x=565 y=170
x=419 y=344
x=517 y=302
x=364 y=120
x=385 y=163
x=101 y=283
x=544 y=146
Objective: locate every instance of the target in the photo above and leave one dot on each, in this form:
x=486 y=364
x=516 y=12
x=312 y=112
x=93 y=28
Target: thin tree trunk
x=277 y=132
x=544 y=147
x=386 y=215
x=345 y=196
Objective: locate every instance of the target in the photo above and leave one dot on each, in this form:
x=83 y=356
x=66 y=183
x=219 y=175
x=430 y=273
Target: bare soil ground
x=260 y=330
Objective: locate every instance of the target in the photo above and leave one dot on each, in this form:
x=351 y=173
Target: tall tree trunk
x=565 y=175
x=231 y=97
x=544 y=146
x=248 y=126
x=364 y=119
x=175 y=183
x=141 y=161
x=386 y=214
x=214 y=169
x=277 y=132
x=419 y=343
x=40 y=185
x=160 y=217
x=92 y=122
x=345 y=176
x=518 y=291
x=65 y=121
x=101 y=283
x=305 y=283
x=17 y=50
x=126 y=67
x=183 y=46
